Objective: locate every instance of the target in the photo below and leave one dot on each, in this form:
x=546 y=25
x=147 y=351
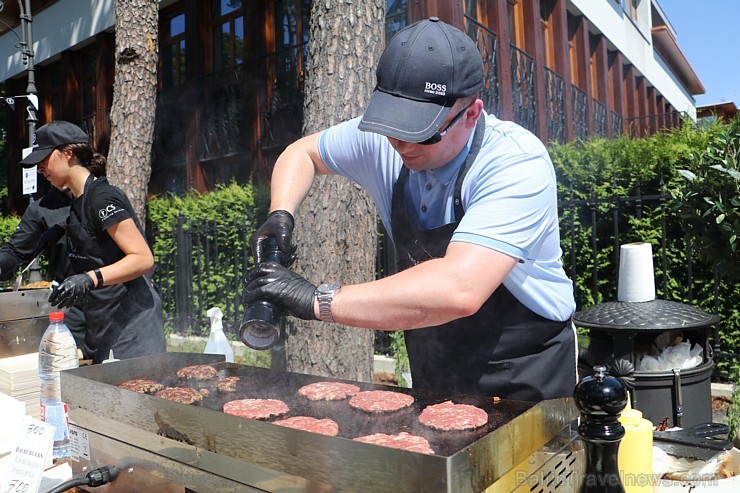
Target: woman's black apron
x=505 y=349
x=127 y=317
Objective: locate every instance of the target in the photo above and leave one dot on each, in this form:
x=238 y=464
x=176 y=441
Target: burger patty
x=183 y=395
x=380 y=401
x=314 y=425
x=197 y=372
x=142 y=386
x=328 y=391
x=256 y=408
x=227 y=384
x=448 y=416
x=403 y=441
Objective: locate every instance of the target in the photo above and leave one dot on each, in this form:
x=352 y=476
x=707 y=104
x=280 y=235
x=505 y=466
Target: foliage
x=632 y=186
x=210 y=250
x=733 y=412
x=708 y=204
x=401 y=357
x=7 y=226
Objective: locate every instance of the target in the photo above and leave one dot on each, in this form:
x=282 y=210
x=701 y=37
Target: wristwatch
x=325 y=294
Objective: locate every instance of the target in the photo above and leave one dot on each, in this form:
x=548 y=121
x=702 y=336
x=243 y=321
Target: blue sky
x=708 y=33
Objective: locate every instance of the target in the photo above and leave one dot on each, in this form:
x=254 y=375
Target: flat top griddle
x=261 y=383
x=258 y=452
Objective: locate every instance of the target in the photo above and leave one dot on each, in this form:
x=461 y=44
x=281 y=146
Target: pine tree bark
x=134 y=99
x=336 y=226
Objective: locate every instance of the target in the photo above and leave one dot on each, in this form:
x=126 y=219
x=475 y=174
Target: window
x=228 y=34
x=395 y=17
x=57 y=92
x=516 y=23
x=634 y=7
x=593 y=64
x=548 y=31
x=573 y=24
x=282 y=101
x=88 y=92
x=172 y=50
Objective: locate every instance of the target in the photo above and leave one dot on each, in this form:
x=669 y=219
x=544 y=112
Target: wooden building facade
x=231 y=76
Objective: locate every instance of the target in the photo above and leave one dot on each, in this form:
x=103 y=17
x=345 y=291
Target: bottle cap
x=56 y=316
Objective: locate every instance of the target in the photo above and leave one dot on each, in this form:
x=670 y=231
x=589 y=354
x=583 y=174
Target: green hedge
x=7 y=226
x=224 y=219
x=701 y=215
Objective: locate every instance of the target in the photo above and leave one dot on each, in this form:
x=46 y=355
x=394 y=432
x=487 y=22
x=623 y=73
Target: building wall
x=634 y=41
x=62 y=25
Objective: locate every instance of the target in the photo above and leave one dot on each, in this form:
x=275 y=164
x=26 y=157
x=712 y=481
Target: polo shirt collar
x=446 y=173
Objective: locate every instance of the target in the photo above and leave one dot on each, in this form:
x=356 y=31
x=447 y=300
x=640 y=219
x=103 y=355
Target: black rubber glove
x=275 y=232
x=71 y=291
x=283 y=288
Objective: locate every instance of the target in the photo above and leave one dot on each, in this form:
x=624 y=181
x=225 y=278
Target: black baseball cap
x=425 y=68
x=51 y=136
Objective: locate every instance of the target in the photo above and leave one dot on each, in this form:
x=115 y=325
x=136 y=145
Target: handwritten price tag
x=28 y=457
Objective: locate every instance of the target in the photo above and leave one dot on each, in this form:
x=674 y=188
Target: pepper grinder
x=601 y=398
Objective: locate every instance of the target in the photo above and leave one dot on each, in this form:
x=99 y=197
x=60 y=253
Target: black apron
x=126 y=317
x=505 y=349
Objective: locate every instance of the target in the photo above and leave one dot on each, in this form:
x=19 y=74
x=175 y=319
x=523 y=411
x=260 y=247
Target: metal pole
x=26 y=22
x=27 y=51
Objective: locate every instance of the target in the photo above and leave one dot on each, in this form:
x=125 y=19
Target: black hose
x=96 y=477
x=70 y=484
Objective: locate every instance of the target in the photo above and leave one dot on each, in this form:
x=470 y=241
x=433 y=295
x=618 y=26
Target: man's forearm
x=431 y=293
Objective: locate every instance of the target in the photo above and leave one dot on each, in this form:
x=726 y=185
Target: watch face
x=329 y=287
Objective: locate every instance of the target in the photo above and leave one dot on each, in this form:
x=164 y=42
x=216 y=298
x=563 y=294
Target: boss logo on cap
x=435 y=88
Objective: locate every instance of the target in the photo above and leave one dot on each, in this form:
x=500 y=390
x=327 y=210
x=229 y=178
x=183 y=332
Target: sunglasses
x=438 y=135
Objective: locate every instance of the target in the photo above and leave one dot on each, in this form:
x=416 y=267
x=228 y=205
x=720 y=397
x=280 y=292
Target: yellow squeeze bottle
x=635 y=456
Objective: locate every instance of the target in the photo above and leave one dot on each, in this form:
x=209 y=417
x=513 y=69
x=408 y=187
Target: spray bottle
x=217 y=342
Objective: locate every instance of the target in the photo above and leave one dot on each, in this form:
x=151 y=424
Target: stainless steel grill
x=23 y=319
x=161 y=444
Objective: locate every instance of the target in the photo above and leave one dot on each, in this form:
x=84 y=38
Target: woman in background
x=107 y=250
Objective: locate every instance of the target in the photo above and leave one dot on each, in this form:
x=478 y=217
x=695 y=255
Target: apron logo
x=107 y=211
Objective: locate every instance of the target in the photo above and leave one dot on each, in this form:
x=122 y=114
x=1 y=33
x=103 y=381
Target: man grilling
x=470 y=204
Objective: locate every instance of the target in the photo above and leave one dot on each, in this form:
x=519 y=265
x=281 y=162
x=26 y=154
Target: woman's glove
x=71 y=290
x=275 y=232
x=283 y=288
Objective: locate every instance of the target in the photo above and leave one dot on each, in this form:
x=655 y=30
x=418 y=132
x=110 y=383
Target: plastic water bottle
x=57 y=352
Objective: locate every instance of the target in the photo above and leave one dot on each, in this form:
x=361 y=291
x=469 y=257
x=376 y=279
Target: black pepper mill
x=601 y=398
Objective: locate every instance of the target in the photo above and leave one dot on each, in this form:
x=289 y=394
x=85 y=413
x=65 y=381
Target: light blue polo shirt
x=508 y=195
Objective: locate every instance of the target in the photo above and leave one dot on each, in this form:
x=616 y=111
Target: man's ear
x=474 y=111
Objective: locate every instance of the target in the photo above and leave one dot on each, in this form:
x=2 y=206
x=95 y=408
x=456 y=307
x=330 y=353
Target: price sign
x=28 y=458
x=29 y=180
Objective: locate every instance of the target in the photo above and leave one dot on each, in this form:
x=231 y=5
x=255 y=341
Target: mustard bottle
x=635 y=456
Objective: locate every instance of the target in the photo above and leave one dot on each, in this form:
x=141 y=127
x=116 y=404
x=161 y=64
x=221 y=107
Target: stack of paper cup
x=636 y=277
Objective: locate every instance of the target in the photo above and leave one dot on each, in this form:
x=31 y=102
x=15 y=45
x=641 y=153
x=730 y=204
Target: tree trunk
x=134 y=99
x=336 y=227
